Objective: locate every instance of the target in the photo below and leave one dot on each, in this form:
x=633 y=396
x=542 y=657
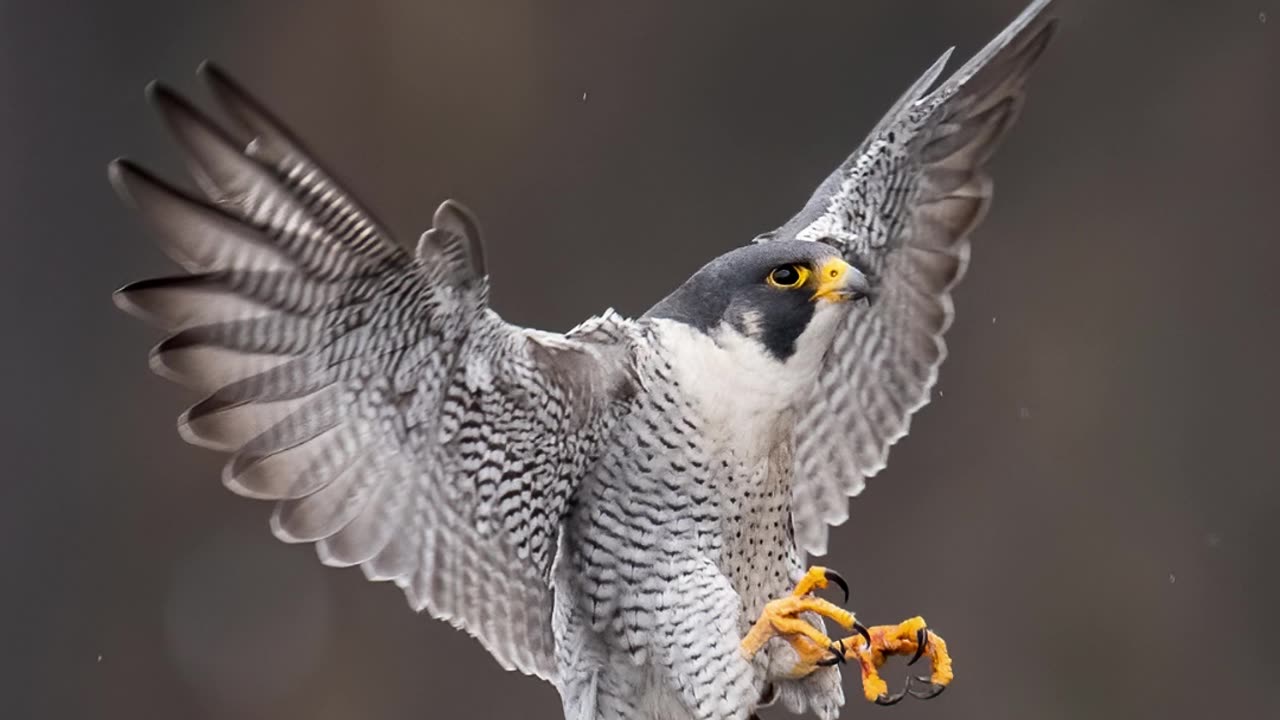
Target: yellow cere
x=831 y=280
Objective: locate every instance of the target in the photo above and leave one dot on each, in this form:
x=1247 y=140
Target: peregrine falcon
x=644 y=492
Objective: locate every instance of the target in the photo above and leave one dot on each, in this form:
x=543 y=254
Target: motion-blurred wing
x=399 y=423
x=901 y=209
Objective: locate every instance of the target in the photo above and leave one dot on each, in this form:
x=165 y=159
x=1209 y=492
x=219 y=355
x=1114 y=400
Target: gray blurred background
x=1087 y=511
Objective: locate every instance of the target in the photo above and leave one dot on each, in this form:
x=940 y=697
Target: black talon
x=841 y=652
x=837 y=655
x=834 y=577
x=933 y=691
x=891 y=699
x=864 y=632
x=922 y=643
x=767 y=696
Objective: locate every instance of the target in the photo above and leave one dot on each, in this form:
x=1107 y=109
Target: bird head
x=775 y=293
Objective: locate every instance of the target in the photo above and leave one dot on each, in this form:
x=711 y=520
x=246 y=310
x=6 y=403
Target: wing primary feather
x=178 y=303
x=286 y=209
x=276 y=145
x=197 y=236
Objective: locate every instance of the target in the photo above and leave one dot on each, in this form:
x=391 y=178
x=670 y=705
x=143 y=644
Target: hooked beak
x=838 y=281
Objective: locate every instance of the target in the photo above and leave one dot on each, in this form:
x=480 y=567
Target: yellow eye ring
x=787 y=277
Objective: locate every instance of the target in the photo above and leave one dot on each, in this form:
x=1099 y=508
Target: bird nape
x=648 y=489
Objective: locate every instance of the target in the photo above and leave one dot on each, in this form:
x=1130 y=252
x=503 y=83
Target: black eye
x=787 y=276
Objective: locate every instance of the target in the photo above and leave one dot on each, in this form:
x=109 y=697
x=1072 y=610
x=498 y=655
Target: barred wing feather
x=901 y=209
x=397 y=422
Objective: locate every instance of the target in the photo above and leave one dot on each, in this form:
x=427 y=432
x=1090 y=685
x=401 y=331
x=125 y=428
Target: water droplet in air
x=1172 y=578
x=1262 y=17
x=584 y=96
x=99 y=658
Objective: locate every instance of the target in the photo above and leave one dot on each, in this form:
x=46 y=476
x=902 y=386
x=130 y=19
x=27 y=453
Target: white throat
x=745 y=393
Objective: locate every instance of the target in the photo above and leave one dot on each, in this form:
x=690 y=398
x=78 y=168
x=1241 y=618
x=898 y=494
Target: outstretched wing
x=901 y=209
x=399 y=424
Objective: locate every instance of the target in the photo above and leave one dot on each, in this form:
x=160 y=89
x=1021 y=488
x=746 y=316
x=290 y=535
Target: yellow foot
x=909 y=637
x=779 y=619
